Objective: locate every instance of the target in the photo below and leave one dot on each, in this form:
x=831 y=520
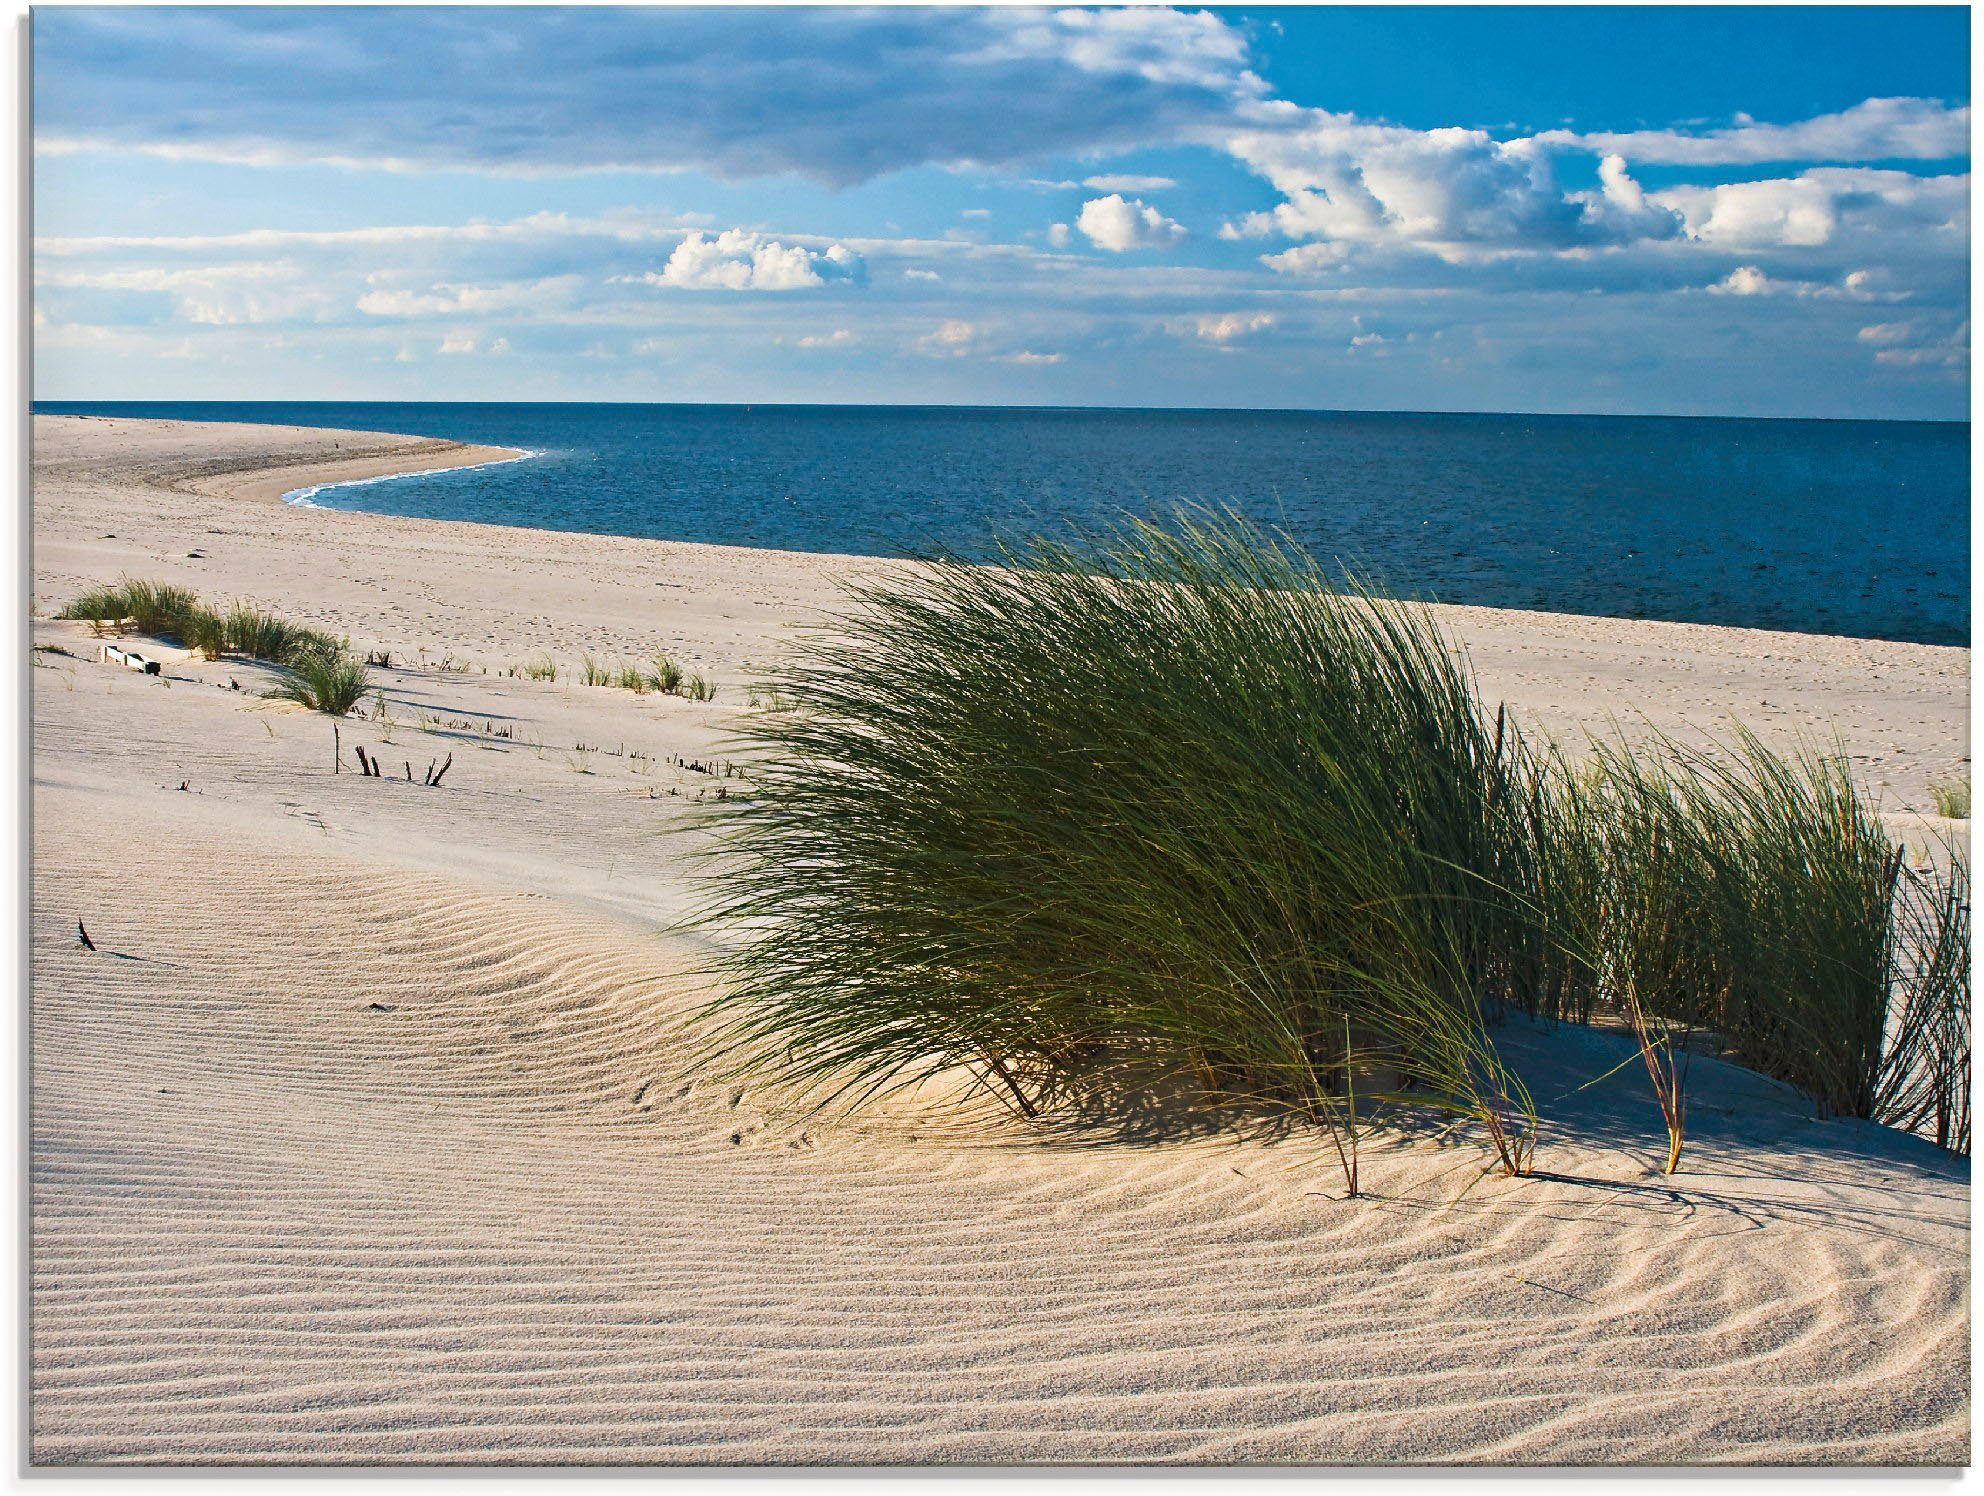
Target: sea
x=1839 y=527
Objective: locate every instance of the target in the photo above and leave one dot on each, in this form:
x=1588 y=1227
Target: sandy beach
x=368 y=1133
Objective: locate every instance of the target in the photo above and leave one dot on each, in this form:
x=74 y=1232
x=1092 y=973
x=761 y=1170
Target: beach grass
x=322 y=672
x=1171 y=812
x=331 y=683
x=665 y=675
x=277 y=641
x=157 y=608
x=1164 y=810
x=203 y=630
x=1951 y=798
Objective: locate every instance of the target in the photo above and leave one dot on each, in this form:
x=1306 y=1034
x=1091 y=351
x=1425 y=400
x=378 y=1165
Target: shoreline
x=303 y=498
x=413 y=456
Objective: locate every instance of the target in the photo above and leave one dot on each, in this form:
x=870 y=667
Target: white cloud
x=1309 y=259
x=1190 y=49
x=1887 y=334
x=1058 y=235
x=457 y=343
x=1913 y=350
x=738 y=260
x=1826 y=204
x=1116 y=223
x=1120 y=182
x=951 y=338
x=840 y=337
x=1449 y=190
x=447 y=299
x=1744 y=280
x=1224 y=327
x=1035 y=358
x=1875 y=130
x=975 y=213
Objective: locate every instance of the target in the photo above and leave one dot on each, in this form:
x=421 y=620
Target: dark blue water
x=1846 y=527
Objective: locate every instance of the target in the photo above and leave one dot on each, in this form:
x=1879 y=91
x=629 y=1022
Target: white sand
x=367 y=1134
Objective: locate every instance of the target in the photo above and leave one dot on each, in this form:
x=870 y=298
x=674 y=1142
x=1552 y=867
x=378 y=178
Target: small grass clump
x=698 y=688
x=542 y=668
x=1951 y=798
x=1171 y=816
x=632 y=678
x=331 y=683
x=161 y=609
x=665 y=676
x=593 y=672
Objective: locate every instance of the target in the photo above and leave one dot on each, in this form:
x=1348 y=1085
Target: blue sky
x=1746 y=211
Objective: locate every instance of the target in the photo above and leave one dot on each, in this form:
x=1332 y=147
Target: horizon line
x=1262 y=410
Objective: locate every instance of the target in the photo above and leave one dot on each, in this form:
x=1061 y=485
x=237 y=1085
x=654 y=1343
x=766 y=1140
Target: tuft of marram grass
x=666 y=676
x=1951 y=798
x=332 y=683
x=1170 y=810
x=157 y=608
x=1162 y=810
x=100 y=605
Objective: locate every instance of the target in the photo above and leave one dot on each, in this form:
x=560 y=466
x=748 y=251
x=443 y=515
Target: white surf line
x=304 y=498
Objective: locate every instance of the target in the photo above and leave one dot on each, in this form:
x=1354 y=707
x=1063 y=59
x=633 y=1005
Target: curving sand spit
x=368 y=1132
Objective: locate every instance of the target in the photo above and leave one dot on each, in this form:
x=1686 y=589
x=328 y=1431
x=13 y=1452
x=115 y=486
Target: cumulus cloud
x=951 y=338
x=1059 y=234
x=1899 y=129
x=840 y=337
x=1224 y=327
x=1744 y=280
x=1344 y=179
x=737 y=260
x=1823 y=204
x=1117 y=223
x=861 y=92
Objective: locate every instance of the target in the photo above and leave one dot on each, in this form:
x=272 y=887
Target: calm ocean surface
x=1844 y=527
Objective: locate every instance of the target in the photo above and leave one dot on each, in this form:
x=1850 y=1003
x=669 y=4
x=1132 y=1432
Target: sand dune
x=371 y=1131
